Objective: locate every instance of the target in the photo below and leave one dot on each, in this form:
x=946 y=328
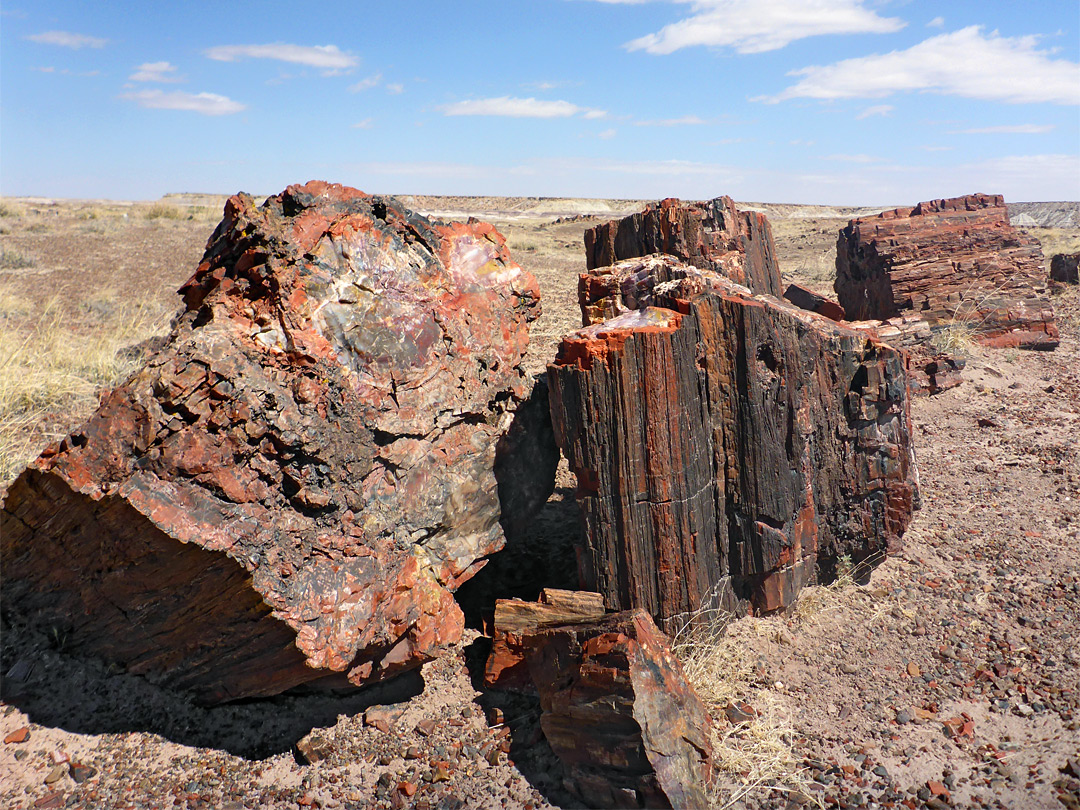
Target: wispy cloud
x=1008 y=129
x=756 y=26
x=964 y=63
x=510 y=107
x=686 y=120
x=68 y=39
x=853 y=158
x=202 y=103
x=155 y=72
x=395 y=88
x=367 y=123
x=366 y=84
x=877 y=109
x=326 y=57
x=607 y=134
x=937 y=22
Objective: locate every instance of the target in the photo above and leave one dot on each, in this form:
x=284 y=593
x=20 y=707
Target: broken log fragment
x=727 y=446
x=956 y=262
x=515 y=620
x=712 y=235
x=808 y=299
x=293 y=486
x=1065 y=268
x=620 y=714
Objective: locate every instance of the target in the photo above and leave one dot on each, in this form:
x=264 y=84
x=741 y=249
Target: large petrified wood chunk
x=294 y=485
x=515 y=620
x=712 y=235
x=727 y=445
x=955 y=262
x=619 y=712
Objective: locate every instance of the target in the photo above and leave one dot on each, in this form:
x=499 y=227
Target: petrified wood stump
x=712 y=235
x=293 y=486
x=618 y=710
x=955 y=262
x=727 y=445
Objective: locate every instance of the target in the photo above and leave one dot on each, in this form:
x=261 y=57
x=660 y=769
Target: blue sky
x=814 y=101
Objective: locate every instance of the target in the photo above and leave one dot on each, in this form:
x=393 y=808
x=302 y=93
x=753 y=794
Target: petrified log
x=808 y=299
x=515 y=620
x=956 y=262
x=1065 y=267
x=712 y=235
x=726 y=445
x=294 y=485
x=619 y=712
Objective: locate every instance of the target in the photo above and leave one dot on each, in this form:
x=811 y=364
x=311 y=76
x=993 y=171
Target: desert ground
x=946 y=676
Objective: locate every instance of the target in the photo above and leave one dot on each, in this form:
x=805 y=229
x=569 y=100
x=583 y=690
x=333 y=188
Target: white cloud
x=327 y=57
x=203 y=103
x=1010 y=129
x=756 y=26
x=593 y=115
x=155 y=72
x=366 y=84
x=607 y=134
x=395 y=89
x=853 y=158
x=964 y=63
x=517 y=108
x=67 y=39
x=365 y=124
x=937 y=22
x=877 y=109
x=686 y=120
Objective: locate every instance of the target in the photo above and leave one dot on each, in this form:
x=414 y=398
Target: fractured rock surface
x=954 y=262
x=619 y=712
x=727 y=446
x=294 y=485
x=712 y=235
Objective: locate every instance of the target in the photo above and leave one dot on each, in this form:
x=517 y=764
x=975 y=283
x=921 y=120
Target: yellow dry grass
x=51 y=370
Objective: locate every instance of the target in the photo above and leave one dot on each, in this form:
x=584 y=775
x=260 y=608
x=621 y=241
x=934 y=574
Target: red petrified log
x=619 y=712
x=954 y=262
x=294 y=485
x=712 y=235
x=515 y=620
x=728 y=445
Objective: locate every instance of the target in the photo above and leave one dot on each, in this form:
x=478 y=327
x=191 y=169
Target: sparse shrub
x=13 y=260
x=9 y=211
x=163 y=211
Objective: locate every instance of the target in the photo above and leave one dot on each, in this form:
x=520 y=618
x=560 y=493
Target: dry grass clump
x=14 y=260
x=1056 y=240
x=52 y=369
x=163 y=211
x=756 y=756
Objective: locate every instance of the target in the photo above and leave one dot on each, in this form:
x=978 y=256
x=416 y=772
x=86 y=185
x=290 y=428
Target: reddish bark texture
x=808 y=299
x=618 y=710
x=293 y=486
x=726 y=445
x=953 y=262
x=712 y=235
